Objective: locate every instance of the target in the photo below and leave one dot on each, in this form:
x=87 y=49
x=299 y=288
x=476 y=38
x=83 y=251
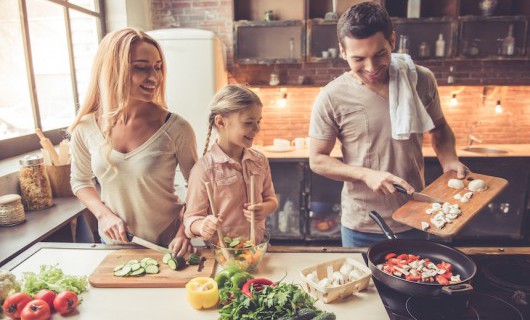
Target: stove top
x=502 y=292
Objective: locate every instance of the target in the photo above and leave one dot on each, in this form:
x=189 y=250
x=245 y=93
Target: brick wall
x=478 y=84
x=475 y=103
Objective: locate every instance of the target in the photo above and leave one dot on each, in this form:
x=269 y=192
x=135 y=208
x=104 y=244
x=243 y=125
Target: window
x=46 y=53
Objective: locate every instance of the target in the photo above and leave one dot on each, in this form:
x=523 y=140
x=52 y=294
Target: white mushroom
x=356 y=275
x=464 y=199
x=312 y=277
x=468 y=194
x=424 y=225
x=457 y=196
x=346 y=268
x=338 y=278
x=324 y=283
x=477 y=185
x=455 y=184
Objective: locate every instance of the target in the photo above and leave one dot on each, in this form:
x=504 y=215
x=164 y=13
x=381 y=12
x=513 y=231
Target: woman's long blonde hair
x=231 y=98
x=109 y=86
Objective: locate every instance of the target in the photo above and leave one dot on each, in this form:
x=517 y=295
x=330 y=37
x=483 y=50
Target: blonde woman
x=125 y=136
x=228 y=165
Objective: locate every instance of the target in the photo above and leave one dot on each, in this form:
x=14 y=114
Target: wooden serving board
x=413 y=213
x=103 y=275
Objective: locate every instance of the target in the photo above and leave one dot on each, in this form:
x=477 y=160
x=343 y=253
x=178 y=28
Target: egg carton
x=334 y=292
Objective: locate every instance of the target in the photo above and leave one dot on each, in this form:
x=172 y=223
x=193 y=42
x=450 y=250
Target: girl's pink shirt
x=230 y=183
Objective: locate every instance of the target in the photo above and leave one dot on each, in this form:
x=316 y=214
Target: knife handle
x=400 y=189
x=130 y=236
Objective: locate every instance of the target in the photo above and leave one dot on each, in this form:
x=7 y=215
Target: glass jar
x=34 y=184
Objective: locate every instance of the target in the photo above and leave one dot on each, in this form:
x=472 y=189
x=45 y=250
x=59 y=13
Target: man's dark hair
x=363 y=20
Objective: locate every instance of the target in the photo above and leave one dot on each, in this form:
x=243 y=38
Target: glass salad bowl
x=239 y=251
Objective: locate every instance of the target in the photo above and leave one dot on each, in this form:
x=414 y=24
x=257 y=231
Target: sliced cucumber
x=123 y=271
x=172 y=264
x=152 y=269
x=151 y=262
x=145 y=259
x=132 y=262
x=138 y=272
x=118 y=267
x=166 y=257
x=135 y=266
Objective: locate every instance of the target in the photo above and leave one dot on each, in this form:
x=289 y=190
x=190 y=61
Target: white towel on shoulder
x=407 y=112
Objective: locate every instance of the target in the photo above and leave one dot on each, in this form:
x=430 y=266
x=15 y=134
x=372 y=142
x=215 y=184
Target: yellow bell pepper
x=202 y=292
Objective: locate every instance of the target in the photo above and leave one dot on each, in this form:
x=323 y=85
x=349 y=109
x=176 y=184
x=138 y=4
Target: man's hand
x=459 y=167
x=383 y=182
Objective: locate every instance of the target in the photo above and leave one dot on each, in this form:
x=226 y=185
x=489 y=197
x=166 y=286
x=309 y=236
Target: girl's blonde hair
x=109 y=86
x=231 y=98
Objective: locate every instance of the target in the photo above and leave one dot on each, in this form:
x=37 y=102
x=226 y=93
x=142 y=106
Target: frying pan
x=436 y=252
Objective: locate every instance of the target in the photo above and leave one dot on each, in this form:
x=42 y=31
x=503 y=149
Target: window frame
x=22 y=144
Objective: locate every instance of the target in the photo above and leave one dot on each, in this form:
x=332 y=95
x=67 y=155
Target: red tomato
x=15 y=303
x=390 y=255
x=65 y=302
x=36 y=310
x=48 y=296
x=442 y=280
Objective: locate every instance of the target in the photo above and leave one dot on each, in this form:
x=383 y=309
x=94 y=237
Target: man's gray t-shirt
x=348 y=110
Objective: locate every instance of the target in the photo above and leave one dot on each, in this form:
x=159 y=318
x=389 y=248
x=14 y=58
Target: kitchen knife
x=144 y=243
x=418 y=196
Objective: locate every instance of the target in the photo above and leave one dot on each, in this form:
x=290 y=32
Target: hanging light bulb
x=454 y=100
x=282 y=102
x=498 y=107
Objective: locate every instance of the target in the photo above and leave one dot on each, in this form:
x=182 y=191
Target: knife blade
x=418 y=196
x=144 y=243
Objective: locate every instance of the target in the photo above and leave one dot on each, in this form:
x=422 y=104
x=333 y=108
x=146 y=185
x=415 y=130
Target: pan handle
x=382 y=224
x=457 y=289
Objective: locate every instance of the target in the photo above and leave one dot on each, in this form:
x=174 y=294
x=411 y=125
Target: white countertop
x=171 y=303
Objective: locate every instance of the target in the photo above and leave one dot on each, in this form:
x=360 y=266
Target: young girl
x=228 y=166
x=125 y=136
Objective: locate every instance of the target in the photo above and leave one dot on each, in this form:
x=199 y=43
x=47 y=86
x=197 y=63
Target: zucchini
x=138 y=272
x=166 y=258
x=151 y=262
x=194 y=259
x=152 y=269
x=172 y=264
x=123 y=271
x=181 y=262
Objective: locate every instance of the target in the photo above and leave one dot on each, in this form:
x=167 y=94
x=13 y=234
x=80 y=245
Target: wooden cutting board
x=103 y=275
x=413 y=213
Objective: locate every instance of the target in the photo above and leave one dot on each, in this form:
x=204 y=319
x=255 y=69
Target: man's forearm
x=443 y=143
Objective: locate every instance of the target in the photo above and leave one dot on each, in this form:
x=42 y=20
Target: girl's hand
x=208 y=227
x=180 y=245
x=259 y=212
x=113 y=227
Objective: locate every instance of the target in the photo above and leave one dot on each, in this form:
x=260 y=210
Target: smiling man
x=379 y=111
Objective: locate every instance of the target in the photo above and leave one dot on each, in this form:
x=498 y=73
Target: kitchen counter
x=512 y=150
x=171 y=303
x=39 y=225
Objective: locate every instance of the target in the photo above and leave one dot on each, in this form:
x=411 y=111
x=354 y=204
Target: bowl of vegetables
x=237 y=249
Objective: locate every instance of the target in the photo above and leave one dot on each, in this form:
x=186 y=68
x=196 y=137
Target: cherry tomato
x=15 y=303
x=48 y=296
x=65 y=302
x=36 y=310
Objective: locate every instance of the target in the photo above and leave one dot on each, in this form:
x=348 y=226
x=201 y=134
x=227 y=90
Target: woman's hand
x=113 y=227
x=180 y=245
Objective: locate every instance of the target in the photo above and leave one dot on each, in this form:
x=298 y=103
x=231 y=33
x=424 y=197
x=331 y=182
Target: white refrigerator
x=196 y=70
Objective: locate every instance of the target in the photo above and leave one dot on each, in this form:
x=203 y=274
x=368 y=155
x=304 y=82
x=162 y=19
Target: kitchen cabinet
x=504 y=219
x=305 y=30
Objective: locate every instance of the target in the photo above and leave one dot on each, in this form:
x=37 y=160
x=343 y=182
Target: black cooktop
x=502 y=292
